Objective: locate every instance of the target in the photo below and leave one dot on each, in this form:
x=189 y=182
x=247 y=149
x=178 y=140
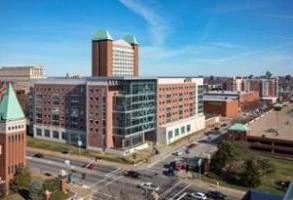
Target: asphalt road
x=108 y=182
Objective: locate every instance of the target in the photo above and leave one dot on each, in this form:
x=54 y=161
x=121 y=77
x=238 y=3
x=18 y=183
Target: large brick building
x=116 y=112
x=101 y=112
x=12 y=139
x=114 y=57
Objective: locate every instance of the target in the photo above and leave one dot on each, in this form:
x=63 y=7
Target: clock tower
x=12 y=138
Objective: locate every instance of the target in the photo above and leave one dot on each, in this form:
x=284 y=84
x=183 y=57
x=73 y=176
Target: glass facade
x=134 y=112
x=200 y=98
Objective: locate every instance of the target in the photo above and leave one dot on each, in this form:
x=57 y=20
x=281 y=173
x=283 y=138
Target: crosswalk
x=109 y=178
x=175 y=191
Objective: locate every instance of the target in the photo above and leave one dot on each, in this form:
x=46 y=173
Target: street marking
x=183 y=195
x=112 y=172
x=170 y=189
x=115 y=179
x=182 y=190
x=108 y=176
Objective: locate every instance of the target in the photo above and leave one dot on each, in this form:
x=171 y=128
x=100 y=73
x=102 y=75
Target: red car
x=89 y=166
x=192 y=145
x=179 y=166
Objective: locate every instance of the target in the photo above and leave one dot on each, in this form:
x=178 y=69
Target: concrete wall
x=196 y=123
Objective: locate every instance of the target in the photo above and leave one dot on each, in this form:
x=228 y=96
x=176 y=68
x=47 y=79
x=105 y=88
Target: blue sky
x=177 y=37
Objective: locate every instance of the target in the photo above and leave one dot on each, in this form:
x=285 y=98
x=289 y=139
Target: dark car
x=216 y=195
x=38 y=155
x=169 y=172
x=132 y=174
x=48 y=174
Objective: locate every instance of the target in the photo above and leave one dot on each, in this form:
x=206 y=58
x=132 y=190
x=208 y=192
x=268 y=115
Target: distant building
x=20 y=75
x=114 y=57
x=266 y=87
x=12 y=138
x=229 y=103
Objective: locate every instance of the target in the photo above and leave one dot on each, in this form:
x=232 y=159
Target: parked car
x=48 y=174
x=223 y=125
x=89 y=166
x=179 y=166
x=169 y=172
x=38 y=155
x=192 y=145
x=198 y=196
x=216 y=195
x=177 y=153
x=149 y=186
x=132 y=174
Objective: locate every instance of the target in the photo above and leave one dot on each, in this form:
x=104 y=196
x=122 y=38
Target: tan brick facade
x=175 y=102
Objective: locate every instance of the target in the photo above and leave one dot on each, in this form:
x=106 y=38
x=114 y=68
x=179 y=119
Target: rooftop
x=10 y=108
x=274 y=124
x=102 y=35
x=238 y=128
x=131 y=39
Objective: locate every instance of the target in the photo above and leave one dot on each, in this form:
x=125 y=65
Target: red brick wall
x=174 y=90
x=65 y=93
x=136 y=60
x=224 y=108
x=13 y=155
x=97 y=115
x=102 y=58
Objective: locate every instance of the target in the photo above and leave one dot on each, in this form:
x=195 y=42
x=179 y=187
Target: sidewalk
x=167 y=149
x=76 y=157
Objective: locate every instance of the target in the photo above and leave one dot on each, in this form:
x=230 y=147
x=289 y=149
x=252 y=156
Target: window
x=170 y=134
x=182 y=129
x=47 y=133
x=39 y=132
x=176 y=131
x=188 y=128
x=64 y=135
x=55 y=99
x=56 y=134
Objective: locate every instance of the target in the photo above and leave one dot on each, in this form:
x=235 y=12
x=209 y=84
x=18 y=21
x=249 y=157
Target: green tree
x=22 y=179
x=265 y=166
x=51 y=185
x=251 y=176
x=226 y=154
x=36 y=190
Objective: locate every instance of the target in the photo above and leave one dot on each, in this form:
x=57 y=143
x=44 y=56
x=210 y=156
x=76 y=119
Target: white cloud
x=158 y=26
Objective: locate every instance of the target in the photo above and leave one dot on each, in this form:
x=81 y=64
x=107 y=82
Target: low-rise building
x=221 y=105
x=229 y=103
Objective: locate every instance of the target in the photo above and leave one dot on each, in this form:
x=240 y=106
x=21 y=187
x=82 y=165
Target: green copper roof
x=238 y=128
x=10 y=108
x=130 y=39
x=102 y=35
